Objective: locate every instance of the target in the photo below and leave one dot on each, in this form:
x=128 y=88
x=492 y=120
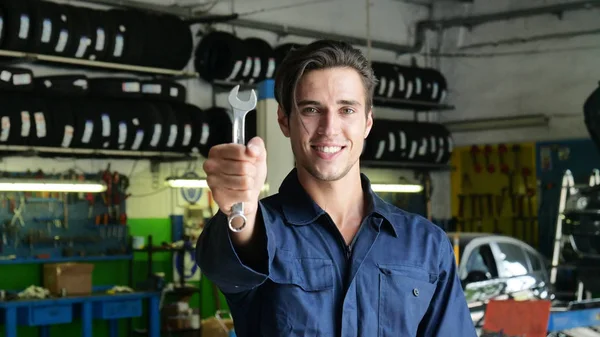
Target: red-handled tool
x=474 y=153
x=502 y=150
x=487 y=152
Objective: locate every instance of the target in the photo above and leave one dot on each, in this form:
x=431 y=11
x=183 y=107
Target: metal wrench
x=239 y=110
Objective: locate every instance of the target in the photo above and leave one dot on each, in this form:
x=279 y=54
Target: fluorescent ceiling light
x=497 y=123
x=195 y=183
x=397 y=188
x=44 y=185
x=187 y=183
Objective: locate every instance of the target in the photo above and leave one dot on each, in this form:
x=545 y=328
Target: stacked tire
x=222 y=56
x=114 y=113
x=397 y=141
x=408 y=87
x=591 y=112
x=116 y=35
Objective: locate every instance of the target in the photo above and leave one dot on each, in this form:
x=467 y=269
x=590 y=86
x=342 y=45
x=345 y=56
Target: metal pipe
x=287 y=30
x=174 y=10
x=535 y=38
x=518 y=13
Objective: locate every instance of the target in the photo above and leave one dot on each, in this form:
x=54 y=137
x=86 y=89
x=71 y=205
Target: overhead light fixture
x=45 y=185
x=181 y=182
x=498 y=123
x=397 y=188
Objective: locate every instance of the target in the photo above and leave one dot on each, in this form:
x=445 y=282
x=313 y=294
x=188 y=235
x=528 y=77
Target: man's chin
x=327 y=174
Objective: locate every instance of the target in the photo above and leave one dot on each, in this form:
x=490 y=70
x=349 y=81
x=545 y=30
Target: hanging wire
x=368 y=28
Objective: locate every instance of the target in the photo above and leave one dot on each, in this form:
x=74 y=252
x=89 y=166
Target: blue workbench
x=571 y=319
x=45 y=312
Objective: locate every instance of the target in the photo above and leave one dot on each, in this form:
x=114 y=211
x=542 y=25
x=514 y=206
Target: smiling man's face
x=329 y=127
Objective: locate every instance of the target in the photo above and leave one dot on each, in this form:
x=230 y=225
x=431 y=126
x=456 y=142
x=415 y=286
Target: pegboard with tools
x=36 y=226
x=494 y=190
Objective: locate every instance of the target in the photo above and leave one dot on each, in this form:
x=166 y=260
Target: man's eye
x=348 y=111
x=310 y=110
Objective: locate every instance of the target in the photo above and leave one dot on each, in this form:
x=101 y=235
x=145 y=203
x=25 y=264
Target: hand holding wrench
x=239 y=110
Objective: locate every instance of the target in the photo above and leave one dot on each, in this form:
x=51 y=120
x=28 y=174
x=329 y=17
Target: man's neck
x=343 y=200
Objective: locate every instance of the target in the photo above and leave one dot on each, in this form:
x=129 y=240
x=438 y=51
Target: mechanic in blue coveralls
x=325 y=256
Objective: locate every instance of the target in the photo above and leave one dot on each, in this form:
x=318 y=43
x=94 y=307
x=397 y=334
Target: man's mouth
x=328 y=149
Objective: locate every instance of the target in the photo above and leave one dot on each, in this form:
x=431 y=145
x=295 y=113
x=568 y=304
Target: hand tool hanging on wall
x=480 y=200
x=461 y=206
x=472 y=210
x=487 y=152
x=502 y=150
x=91 y=199
x=521 y=217
x=516 y=149
x=65 y=200
x=18 y=211
x=511 y=192
x=474 y=153
x=498 y=210
x=532 y=219
x=116 y=197
x=107 y=196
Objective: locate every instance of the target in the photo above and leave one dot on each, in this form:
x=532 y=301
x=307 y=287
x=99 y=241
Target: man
x=325 y=256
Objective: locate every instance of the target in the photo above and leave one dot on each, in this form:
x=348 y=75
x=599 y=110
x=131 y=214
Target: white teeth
x=329 y=149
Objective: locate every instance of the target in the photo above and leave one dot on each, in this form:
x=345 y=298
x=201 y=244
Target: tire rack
x=22 y=57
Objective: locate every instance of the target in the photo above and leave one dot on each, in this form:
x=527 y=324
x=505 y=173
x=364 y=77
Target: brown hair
x=321 y=54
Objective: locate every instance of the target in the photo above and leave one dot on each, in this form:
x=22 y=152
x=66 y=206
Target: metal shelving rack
x=19 y=150
x=23 y=57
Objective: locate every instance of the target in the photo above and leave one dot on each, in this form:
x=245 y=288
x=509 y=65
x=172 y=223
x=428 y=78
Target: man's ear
x=369 y=123
x=283 y=121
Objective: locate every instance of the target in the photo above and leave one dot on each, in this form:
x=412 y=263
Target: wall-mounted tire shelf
x=116 y=39
x=396 y=142
x=73 y=115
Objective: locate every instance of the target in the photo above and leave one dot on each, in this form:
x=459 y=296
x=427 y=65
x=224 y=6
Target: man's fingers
x=232 y=182
x=255 y=147
x=230 y=151
x=230 y=167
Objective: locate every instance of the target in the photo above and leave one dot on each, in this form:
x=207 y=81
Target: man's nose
x=329 y=123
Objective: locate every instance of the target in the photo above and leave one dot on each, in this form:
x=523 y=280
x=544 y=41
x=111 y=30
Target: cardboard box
x=75 y=278
x=216 y=327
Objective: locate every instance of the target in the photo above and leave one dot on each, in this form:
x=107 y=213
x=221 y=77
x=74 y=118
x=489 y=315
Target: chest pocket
x=300 y=297
x=404 y=296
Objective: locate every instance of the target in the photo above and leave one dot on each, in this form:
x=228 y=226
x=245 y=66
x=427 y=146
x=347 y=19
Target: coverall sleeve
x=218 y=260
x=448 y=314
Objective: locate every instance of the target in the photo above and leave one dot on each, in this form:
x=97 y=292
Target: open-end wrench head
x=238 y=104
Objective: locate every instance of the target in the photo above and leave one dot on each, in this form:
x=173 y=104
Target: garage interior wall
x=538 y=65
x=151 y=204
x=514 y=68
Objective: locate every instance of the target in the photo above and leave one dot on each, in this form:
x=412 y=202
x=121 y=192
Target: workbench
x=45 y=312
x=567 y=318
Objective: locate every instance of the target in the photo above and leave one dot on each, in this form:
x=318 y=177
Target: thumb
x=256 y=147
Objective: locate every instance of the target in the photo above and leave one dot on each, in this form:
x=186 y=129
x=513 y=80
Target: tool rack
x=43 y=227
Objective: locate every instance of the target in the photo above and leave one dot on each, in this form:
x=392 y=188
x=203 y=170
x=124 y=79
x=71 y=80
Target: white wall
x=553 y=77
x=390 y=21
